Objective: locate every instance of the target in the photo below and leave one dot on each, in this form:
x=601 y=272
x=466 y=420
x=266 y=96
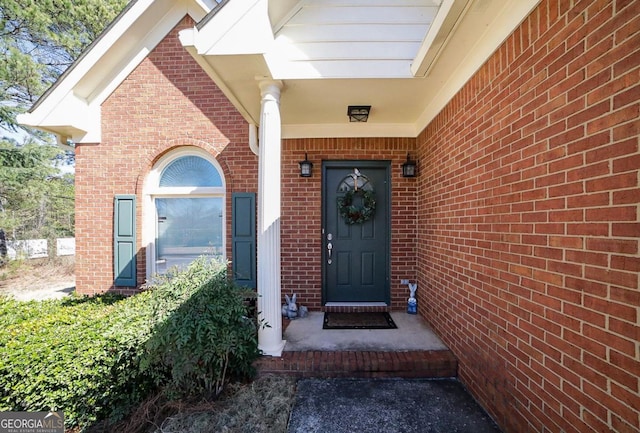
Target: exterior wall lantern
x=306 y=167
x=358 y=113
x=409 y=168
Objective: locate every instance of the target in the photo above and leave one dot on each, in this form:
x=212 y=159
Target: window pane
x=190 y=171
x=187 y=229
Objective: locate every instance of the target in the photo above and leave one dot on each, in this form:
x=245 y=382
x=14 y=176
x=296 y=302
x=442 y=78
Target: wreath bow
x=353 y=214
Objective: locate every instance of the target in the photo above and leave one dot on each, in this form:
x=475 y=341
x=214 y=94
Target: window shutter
x=243 y=262
x=124 y=245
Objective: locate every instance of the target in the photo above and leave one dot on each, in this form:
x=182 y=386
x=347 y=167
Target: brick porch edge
x=408 y=364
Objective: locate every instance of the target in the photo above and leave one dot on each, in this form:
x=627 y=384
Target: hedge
x=96 y=358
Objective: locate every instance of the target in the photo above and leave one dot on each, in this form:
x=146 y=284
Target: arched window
x=187 y=194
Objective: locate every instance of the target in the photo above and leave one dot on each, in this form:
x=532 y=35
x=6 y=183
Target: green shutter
x=124 y=240
x=243 y=238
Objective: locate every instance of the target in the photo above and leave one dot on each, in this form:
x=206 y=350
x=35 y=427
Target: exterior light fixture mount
x=306 y=167
x=409 y=168
x=358 y=113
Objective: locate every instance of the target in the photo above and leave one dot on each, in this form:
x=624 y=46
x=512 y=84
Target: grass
x=261 y=406
x=20 y=274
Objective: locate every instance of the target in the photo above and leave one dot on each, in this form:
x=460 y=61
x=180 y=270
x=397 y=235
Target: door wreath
x=353 y=214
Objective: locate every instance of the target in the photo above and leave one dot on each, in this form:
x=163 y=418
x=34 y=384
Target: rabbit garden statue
x=412 y=303
x=291 y=309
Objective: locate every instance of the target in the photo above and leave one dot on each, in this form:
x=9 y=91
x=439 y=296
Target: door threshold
x=356 y=304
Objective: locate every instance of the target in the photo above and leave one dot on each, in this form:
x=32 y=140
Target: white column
x=269 y=298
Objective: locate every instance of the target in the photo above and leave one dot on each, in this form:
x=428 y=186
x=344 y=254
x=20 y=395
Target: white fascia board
x=487 y=43
x=65 y=87
x=436 y=38
x=151 y=40
x=240 y=27
x=341 y=130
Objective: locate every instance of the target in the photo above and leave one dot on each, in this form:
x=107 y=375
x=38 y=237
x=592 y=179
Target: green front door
x=355 y=238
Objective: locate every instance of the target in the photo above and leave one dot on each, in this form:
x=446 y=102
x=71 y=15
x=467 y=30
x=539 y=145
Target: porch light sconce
x=409 y=168
x=358 y=113
x=305 y=167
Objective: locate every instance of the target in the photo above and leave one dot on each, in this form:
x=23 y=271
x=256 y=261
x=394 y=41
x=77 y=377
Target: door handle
x=329 y=248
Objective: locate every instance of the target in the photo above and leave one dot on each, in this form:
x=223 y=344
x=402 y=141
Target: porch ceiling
x=405 y=58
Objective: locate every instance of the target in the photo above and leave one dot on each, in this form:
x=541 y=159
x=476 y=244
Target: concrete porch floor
x=410 y=351
x=412 y=334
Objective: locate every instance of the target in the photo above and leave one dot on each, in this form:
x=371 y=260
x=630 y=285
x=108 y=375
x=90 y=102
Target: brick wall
x=166 y=102
x=301 y=212
x=529 y=222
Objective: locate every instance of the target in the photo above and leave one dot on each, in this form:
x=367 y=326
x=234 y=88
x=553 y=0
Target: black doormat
x=371 y=320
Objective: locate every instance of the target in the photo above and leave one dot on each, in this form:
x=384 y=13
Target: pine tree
x=39 y=39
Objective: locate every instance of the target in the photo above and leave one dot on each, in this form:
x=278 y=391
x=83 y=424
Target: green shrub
x=65 y=355
x=207 y=338
x=95 y=358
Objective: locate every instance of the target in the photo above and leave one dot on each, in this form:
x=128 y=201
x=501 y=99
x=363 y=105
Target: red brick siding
x=161 y=106
x=165 y=103
x=528 y=236
x=301 y=212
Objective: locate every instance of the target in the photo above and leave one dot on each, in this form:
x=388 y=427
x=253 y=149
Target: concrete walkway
x=386 y=405
x=343 y=404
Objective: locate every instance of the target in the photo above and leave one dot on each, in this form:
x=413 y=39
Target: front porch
x=410 y=351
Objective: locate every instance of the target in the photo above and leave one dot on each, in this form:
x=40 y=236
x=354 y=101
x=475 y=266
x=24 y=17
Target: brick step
x=361 y=364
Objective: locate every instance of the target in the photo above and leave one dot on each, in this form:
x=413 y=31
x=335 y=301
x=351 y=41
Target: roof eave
x=68 y=107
